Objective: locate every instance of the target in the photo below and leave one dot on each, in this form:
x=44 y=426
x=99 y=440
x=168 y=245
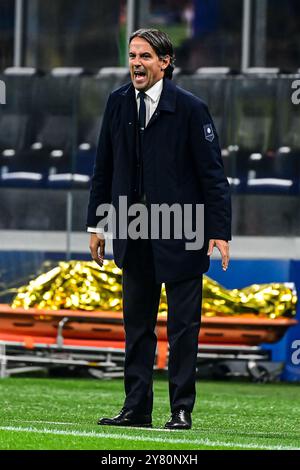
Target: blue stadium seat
x=278 y=170
x=288 y=134
x=253 y=133
x=17 y=130
x=55 y=124
x=93 y=94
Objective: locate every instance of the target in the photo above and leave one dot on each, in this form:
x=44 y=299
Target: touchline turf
x=44 y=414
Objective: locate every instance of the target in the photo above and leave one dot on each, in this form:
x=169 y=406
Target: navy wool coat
x=181 y=164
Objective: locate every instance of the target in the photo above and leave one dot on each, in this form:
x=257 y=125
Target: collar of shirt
x=154 y=92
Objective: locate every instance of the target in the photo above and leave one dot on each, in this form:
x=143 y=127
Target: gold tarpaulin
x=82 y=285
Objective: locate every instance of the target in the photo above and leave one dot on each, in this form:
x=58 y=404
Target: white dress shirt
x=151 y=102
x=151 y=99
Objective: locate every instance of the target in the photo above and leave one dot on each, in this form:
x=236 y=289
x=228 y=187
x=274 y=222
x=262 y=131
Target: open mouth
x=139 y=75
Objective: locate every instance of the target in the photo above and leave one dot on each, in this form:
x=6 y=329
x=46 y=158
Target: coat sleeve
x=207 y=156
x=101 y=183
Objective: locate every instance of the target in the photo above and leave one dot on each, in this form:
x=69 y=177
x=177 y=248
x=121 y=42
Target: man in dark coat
x=158 y=148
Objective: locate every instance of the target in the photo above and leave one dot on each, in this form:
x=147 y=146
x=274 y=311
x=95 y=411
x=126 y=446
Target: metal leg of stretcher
x=3 y=361
x=103 y=362
x=225 y=361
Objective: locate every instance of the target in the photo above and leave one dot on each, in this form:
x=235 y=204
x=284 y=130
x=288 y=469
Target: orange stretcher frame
x=108 y=325
x=103 y=330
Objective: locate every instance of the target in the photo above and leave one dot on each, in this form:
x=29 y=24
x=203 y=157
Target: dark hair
x=161 y=43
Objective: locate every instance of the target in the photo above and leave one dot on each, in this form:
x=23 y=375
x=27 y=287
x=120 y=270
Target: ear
x=165 y=62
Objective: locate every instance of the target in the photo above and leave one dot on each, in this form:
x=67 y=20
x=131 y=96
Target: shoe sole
x=176 y=428
x=127 y=425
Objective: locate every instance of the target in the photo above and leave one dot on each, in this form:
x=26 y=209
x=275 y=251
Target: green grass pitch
x=44 y=413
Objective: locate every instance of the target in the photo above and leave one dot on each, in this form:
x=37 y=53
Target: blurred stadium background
x=59 y=60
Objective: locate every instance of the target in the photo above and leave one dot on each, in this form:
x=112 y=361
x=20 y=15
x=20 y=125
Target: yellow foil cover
x=82 y=285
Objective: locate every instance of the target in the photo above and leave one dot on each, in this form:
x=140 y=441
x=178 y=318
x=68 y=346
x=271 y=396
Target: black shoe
x=180 y=419
x=127 y=417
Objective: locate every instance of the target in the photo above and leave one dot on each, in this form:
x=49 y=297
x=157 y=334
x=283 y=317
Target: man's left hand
x=223 y=247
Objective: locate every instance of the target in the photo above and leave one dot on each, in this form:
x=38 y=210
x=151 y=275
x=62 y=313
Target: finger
x=97 y=259
x=225 y=263
x=101 y=253
x=94 y=253
x=225 y=259
x=102 y=249
x=210 y=247
x=93 y=250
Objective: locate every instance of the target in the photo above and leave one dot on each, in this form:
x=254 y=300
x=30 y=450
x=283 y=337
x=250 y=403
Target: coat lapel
x=129 y=120
x=167 y=103
x=167 y=100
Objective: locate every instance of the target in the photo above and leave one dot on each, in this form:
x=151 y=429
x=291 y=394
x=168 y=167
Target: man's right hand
x=97 y=247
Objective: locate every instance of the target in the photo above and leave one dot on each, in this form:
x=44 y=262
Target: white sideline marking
x=98 y=435
x=44 y=422
x=191 y=431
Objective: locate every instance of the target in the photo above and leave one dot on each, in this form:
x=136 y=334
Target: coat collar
x=167 y=100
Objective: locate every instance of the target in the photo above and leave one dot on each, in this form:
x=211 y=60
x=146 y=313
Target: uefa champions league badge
x=208 y=132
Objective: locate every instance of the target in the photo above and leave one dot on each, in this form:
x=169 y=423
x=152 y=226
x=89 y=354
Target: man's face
x=146 y=68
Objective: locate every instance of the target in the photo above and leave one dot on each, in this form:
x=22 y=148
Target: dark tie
x=142 y=125
x=142 y=111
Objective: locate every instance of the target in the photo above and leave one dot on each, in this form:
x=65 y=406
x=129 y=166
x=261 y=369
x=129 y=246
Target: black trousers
x=141 y=296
